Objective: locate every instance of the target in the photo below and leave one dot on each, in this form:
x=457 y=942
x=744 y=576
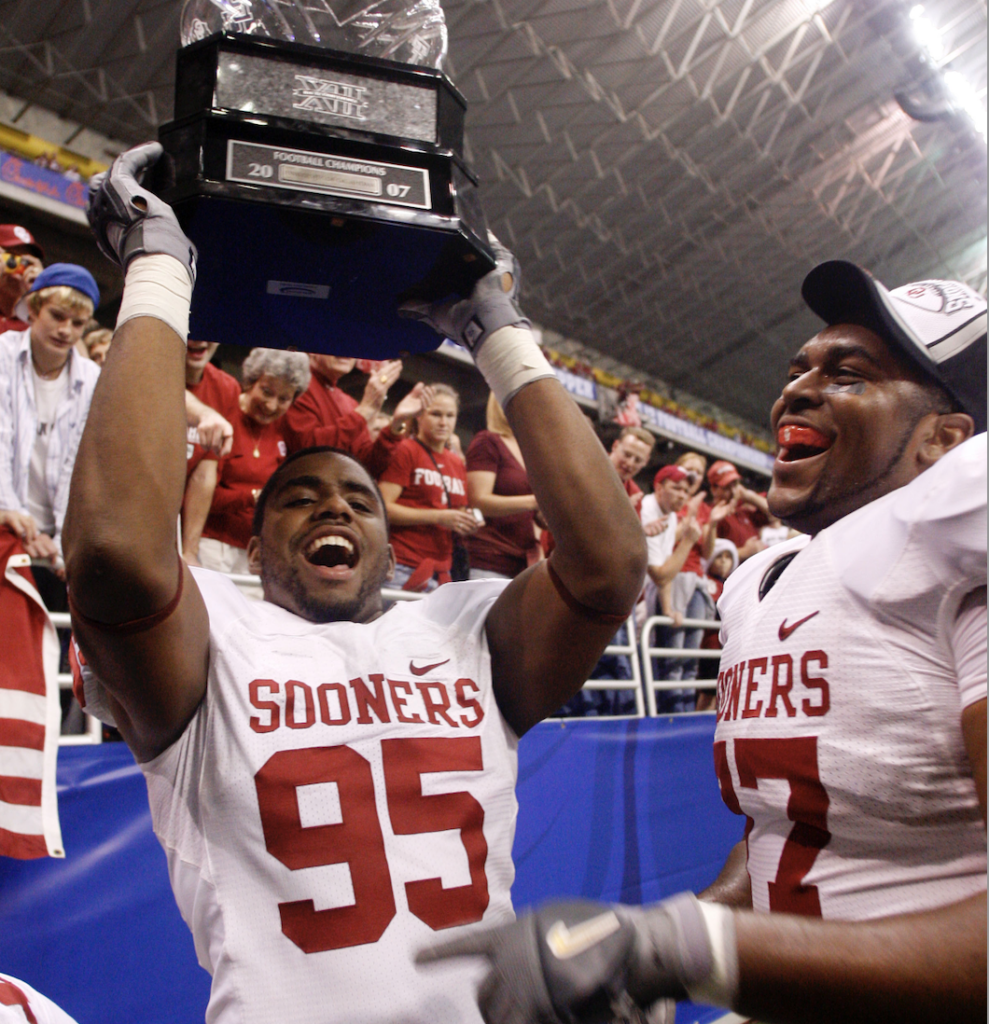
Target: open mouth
x=797 y=442
x=331 y=552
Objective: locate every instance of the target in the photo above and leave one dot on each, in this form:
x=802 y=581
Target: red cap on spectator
x=722 y=473
x=13 y=236
x=668 y=473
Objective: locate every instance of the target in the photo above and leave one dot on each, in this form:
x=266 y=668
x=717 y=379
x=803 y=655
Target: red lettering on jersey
x=11 y=995
x=752 y=686
x=411 y=813
x=398 y=703
x=264 y=705
x=436 y=708
x=793 y=759
x=724 y=779
x=815 y=683
x=377 y=703
x=781 y=690
x=468 y=702
x=324 y=705
x=307 y=700
x=356 y=841
x=734 y=690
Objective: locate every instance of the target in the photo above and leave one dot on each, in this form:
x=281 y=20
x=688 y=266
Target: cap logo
x=22 y=234
x=945 y=297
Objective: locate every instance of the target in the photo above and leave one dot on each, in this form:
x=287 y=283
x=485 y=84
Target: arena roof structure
x=667 y=170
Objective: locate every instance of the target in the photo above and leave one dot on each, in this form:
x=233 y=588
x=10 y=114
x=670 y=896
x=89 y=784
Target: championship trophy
x=316 y=160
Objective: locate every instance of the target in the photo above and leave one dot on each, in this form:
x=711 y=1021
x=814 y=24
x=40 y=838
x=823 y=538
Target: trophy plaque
x=321 y=188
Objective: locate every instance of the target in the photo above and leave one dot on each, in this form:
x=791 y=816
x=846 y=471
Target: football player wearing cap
x=332 y=785
x=45 y=390
x=20 y=263
x=851 y=714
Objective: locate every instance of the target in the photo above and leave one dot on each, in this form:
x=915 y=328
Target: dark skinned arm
x=732 y=887
x=120 y=539
x=541 y=651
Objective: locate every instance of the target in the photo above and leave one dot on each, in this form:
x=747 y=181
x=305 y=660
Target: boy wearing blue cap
x=45 y=391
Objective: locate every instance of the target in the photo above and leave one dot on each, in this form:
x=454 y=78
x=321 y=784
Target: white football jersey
x=839 y=716
x=344 y=795
x=21 y=1004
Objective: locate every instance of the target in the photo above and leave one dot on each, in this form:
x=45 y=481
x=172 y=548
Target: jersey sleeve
x=967 y=639
x=945 y=509
x=224 y=602
x=19 y=1003
x=461 y=606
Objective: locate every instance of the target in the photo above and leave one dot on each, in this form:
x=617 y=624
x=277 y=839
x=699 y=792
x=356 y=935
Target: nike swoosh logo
x=786 y=630
x=425 y=668
x=565 y=942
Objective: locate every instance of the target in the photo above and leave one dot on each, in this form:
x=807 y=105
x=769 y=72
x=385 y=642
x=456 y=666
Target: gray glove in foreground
x=587 y=962
x=130 y=221
x=492 y=304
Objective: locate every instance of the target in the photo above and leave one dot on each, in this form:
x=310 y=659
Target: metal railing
x=642 y=684
x=652 y=685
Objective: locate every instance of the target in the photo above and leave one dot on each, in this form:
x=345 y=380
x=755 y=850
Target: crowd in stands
x=453 y=515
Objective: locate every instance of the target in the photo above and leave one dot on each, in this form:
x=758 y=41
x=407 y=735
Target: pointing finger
x=137 y=159
x=475 y=944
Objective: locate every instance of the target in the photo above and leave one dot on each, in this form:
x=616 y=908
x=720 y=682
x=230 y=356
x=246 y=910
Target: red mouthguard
x=790 y=436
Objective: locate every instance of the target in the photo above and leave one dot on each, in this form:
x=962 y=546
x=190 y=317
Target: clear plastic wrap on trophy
x=316 y=160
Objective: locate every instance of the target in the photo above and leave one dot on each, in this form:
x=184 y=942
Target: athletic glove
x=130 y=221
x=491 y=305
x=578 y=961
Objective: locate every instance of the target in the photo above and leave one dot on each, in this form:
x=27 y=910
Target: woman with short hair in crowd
x=271 y=380
x=497 y=485
x=425 y=492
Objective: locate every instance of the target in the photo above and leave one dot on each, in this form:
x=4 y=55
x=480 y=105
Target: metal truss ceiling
x=667 y=170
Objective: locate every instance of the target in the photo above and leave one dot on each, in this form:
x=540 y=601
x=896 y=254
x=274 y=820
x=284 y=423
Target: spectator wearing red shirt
x=497 y=485
x=325 y=415
x=750 y=511
x=220 y=392
x=16 y=279
x=425 y=492
x=272 y=380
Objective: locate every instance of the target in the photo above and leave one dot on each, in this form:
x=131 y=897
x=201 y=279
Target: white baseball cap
x=939 y=325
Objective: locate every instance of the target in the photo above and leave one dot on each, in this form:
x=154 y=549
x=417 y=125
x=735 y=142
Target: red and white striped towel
x=30 y=712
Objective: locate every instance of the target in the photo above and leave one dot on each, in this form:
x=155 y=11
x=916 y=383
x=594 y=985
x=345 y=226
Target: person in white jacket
x=45 y=390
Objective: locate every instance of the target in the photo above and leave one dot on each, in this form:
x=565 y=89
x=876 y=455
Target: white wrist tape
x=720 y=987
x=509 y=360
x=157 y=286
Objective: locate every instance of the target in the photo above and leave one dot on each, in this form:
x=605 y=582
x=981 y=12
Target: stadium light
x=962 y=95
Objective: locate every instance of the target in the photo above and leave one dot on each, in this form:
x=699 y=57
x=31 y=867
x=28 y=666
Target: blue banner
x=15 y=170
x=615 y=810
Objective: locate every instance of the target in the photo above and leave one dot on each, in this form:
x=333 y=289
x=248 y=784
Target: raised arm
x=663 y=574
x=137 y=613
x=552 y=622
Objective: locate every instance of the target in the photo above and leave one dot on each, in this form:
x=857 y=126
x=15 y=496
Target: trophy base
x=277 y=277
